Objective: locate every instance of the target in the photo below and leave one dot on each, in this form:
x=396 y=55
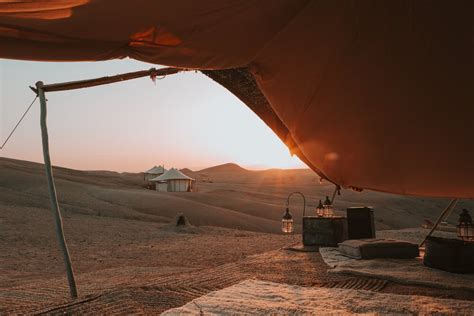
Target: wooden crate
x=324 y=231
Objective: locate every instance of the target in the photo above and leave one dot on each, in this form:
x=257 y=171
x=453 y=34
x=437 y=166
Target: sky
x=184 y=120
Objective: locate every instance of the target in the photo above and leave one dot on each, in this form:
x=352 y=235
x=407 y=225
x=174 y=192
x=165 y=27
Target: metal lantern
x=287 y=222
x=328 y=212
x=320 y=209
x=465 y=226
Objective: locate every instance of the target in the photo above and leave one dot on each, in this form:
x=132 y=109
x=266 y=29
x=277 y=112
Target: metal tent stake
x=52 y=193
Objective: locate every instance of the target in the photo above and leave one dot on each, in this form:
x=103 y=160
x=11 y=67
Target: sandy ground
x=128 y=256
x=29 y=250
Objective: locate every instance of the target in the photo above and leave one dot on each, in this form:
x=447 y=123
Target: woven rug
x=256 y=297
x=404 y=271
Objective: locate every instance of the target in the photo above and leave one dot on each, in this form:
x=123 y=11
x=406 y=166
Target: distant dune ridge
x=227 y=167
x=188 y=172
x=236 y=198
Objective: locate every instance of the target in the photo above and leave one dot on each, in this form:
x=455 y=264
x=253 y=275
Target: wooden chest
x=324 y=231
x=360 y=223
x=451 y=255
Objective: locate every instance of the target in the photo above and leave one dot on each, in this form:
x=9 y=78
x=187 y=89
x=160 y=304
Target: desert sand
x=122 y=238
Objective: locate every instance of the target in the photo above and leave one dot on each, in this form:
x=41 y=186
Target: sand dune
x=236 y=197
x=121 y=234
x=227 y=167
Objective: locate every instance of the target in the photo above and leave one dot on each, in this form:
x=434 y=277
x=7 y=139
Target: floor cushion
x=378 y=248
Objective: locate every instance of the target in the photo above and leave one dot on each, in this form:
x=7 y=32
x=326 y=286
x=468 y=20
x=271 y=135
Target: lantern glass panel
x=287 y=226
x=327 y=212
x=470 y=234
x=319 y=211
x=465 y=227
x=287 y=222
x=466 y=231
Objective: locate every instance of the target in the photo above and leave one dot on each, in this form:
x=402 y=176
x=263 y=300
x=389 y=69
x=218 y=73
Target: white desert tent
x=153 y=172
x=173 y=180
x=369 y=94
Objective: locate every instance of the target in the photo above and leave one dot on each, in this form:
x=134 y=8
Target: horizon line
x=193 y=169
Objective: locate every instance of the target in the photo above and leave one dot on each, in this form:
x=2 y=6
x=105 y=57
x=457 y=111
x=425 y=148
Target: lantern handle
x=304 y=200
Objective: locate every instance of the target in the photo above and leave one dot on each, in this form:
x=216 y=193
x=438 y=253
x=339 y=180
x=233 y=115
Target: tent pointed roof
x=156 y=170
x=172 y=174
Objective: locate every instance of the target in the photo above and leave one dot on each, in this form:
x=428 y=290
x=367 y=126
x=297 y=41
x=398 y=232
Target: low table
x=324 y=231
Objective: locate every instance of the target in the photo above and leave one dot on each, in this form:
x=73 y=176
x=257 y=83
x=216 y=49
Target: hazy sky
x=185 y=120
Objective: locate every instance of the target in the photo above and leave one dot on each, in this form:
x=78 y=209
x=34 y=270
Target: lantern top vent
x=287 y=214
x=327 y=201
x=320 y=205
x=465 y=217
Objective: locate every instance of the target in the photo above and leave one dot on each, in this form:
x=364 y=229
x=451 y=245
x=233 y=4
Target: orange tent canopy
x=371 y=94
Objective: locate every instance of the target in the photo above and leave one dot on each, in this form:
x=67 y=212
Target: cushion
x=378 y=248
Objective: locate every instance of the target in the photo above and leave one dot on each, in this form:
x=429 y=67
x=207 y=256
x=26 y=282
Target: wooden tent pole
x=52 y=193
x=72 y=85
x=40 y=90
x=442 y=216
x=337 y=189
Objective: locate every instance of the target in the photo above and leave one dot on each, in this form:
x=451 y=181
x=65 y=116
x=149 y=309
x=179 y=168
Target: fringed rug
x=255 y=297
x=404 y=271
